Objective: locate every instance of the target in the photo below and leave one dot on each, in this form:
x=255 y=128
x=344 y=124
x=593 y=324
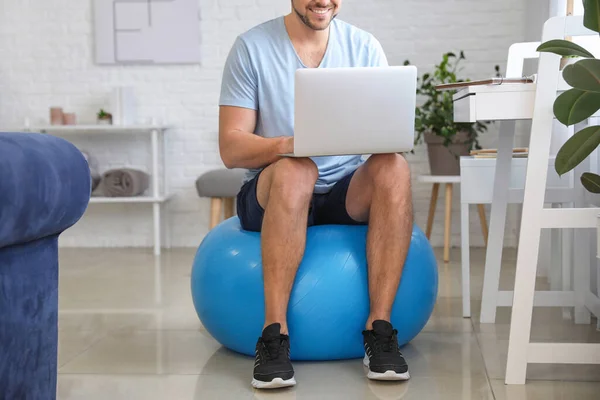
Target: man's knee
x=389 y=171
x=294 y=179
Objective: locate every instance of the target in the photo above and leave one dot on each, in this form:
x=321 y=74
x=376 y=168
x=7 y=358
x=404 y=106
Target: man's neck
x=302 y=34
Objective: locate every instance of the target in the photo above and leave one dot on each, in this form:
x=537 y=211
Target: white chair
x=535 y=217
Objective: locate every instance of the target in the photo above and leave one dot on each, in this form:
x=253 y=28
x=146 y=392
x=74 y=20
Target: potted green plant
x=581 y=102
x=434 y=119
x=104 y=118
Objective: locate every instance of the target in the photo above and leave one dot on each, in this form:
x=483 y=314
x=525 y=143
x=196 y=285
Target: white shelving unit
x=137 y=199
x=158 y=196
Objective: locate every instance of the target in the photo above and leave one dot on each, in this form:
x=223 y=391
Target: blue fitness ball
x=329 y=303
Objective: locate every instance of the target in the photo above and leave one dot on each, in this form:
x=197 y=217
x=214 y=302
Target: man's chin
x=319 y=25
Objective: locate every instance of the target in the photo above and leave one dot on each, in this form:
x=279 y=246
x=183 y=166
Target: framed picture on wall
x=147 y=32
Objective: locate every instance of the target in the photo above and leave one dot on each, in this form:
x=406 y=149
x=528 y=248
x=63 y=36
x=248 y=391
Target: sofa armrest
x=45 y=186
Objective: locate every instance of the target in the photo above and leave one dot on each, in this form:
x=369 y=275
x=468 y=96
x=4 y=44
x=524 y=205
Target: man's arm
x=240 y=148
x=238 y=145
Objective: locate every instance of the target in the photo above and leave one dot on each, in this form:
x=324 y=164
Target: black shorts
x=325 y=209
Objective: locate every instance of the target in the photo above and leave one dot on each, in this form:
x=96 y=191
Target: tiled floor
x=128 y=330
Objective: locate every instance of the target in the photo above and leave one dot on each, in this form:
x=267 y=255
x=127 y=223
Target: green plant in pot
x=434 y=120
x=581 y=102
x=103 y=117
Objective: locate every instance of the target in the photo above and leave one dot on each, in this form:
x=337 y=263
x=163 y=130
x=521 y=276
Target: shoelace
x=273 y=348
x=387 y=344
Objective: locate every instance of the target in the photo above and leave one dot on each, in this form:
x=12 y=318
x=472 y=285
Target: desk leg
x=432 y=205
x=581 y=255
x=561 y=260
x=465 y=259
x=555 y=263
x=582 y=275
x=448 y=222
x=567 y=265
x=493 y=257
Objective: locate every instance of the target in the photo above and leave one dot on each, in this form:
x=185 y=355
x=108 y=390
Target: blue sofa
x=44 y=189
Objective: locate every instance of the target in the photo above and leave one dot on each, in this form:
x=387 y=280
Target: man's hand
x=287 y=144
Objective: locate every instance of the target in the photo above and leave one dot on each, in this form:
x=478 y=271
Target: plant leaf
x=591 y=182
x=591 y=15
x=576 y=105
x=564 y=48
x=576 y=149
x=584 y=75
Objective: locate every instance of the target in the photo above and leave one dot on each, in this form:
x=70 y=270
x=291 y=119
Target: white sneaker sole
x=274 y=384
x=390 y=375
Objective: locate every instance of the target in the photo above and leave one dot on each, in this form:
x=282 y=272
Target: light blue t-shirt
x=259 y=74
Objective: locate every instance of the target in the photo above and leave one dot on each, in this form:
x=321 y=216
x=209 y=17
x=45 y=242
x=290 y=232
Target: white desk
x=494 y=103
x=507 y=102
x=478 y=103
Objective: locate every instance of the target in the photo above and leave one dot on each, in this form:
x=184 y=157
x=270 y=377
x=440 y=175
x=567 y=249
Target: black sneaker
x=382 y=354
x=272 y=367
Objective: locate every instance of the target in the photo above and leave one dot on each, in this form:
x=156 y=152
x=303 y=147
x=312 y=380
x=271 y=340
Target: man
x=282 y=196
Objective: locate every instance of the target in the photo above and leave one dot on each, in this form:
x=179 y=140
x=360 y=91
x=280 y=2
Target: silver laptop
x=354 y=111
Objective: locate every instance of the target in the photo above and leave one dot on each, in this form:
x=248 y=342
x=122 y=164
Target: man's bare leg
x=284 y=191
x=380 y=193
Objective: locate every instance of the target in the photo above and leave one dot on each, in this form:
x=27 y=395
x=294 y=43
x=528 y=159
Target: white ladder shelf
x=158 y=196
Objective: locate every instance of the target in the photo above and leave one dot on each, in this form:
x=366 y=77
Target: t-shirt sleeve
x=377 y=57
x=239 y=85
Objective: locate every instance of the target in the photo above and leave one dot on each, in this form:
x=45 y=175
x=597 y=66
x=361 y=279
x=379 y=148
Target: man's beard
x=306 y=20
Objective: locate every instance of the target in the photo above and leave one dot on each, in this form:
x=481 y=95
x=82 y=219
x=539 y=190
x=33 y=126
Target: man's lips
x=320 y=11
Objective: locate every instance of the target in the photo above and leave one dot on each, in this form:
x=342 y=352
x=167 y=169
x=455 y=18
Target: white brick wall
x=46 y=59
